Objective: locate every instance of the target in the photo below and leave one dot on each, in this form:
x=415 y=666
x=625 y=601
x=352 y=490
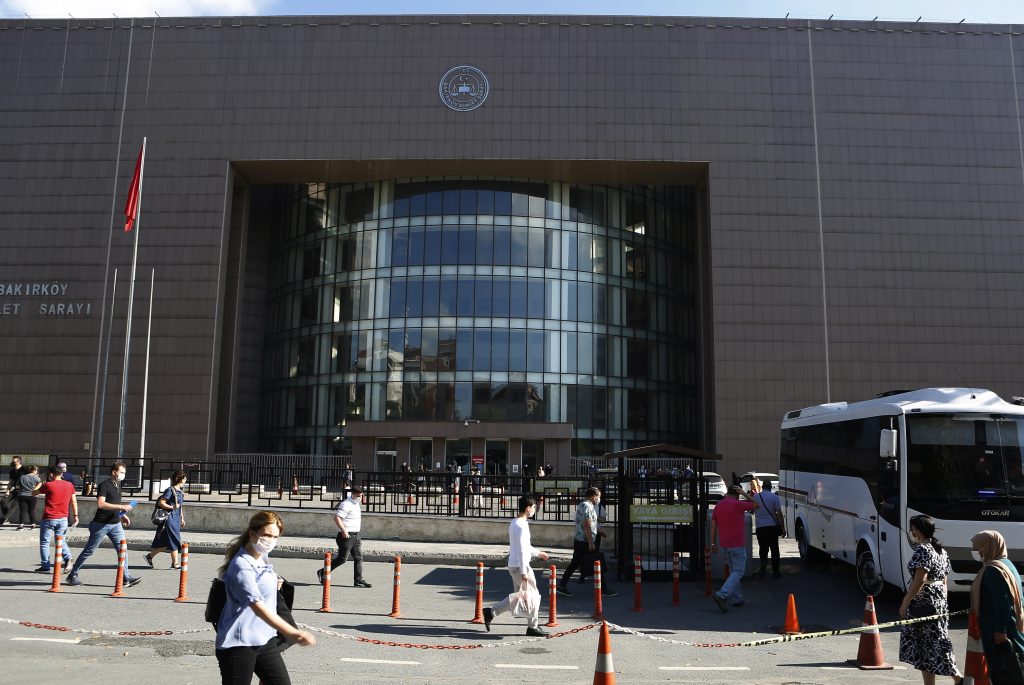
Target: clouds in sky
x=83 y=9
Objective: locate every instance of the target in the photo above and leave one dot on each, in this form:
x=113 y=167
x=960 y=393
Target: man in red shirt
x=728 y=526
x=59 y=494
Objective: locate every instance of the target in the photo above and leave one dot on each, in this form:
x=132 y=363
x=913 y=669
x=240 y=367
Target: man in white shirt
x=519 y=555
x=348 y=518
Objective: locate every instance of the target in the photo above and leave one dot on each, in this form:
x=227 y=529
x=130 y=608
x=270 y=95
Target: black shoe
x=536 y=632
x=563 y=591
x=608 y=592
x=488 y=617
x=132 y=581
x=320 y=576
x=720 y=601
x=43 y=569
x=73 y=579
x=361 y=583
x=738 y=604
x=583 y=580
x=149 y=560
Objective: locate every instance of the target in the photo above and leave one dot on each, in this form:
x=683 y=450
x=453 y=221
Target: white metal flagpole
x=145 y=384
x=131 y=301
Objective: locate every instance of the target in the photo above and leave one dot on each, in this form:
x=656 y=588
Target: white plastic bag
x=526 y=602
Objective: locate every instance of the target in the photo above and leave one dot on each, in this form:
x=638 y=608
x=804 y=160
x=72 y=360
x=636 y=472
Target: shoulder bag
x=159 y=515
x=1004 y=665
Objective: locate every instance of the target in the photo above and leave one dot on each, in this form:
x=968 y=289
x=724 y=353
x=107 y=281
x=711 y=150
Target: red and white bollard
x=638 y=593
x=598 y=607
x=325 y=605
x=552 y=599
x=57 y=562
x=122 y=554
x=183 y=580
x=675 y=578
x=478 y=615
x=396 y=595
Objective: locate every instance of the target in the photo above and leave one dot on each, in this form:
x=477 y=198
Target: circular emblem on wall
x=463 y=88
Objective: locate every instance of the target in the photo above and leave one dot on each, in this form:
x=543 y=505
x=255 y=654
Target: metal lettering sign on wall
x=463 y=88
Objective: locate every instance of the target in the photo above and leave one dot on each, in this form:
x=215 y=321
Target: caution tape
x=407 y=645
x=790 y=638
x=106 y=633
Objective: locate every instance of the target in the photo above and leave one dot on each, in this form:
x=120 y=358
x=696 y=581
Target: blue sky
x=981 y=11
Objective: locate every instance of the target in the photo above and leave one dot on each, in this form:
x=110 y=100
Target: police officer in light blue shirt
x=248 y=625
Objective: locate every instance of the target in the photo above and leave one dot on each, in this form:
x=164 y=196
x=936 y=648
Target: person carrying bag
x=770 y=525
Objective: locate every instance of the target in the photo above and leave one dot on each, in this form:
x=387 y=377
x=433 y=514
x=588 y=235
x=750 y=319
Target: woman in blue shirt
x=168 y=533
x=248 y=625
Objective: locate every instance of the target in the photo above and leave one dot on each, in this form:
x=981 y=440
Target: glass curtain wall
x=483 y=298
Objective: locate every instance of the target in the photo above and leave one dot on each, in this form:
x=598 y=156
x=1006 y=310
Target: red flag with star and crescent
x=131 y=207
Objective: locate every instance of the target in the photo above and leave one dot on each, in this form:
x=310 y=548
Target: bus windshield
x=956 y=462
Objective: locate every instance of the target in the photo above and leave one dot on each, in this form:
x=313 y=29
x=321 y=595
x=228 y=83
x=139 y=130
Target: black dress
x=926 y=645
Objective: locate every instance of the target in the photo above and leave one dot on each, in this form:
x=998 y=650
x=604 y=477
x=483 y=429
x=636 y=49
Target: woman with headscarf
x=996 y=596
x=926 y=645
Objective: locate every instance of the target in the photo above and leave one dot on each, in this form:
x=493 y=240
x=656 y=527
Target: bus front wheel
x=868 y=576
x=808 y=554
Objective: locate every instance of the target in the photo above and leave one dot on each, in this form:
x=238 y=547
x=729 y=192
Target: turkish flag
x=131 y=207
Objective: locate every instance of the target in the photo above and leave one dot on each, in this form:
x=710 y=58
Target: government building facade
x=501 y=240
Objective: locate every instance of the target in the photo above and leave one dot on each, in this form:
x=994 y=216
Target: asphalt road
x=436 y=603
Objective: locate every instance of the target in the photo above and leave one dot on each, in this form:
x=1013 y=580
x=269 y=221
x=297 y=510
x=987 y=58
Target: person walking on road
x=168 y=533
x=28 y=483
x=109 y=521
x=249 y=623
x=58 y=497
x=585 y=544
x=520 y=553
x=9 y=503
x=349 y=518
x=996 y=597
x=728 y=527
x=926 y=646
x=769 y=523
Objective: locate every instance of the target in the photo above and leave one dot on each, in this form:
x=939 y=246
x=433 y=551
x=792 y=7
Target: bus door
x=891 y=514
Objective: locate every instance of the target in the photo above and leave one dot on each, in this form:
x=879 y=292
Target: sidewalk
x=436 y=553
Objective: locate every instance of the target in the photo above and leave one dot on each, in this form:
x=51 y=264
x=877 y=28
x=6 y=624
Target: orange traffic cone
x=975 y=666
x=869 y=654
x=792 y=625
x=604 y=669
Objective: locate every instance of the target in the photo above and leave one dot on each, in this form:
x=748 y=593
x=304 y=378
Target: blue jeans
x=97 y=531
x=47 y=529
x=737 y=557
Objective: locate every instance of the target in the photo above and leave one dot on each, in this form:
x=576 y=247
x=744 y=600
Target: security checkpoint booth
x=662 y=508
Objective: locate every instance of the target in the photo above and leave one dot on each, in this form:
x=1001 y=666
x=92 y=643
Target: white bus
x=853 y=475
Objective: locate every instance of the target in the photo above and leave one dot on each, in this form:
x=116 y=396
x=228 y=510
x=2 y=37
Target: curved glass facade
x=487 y=299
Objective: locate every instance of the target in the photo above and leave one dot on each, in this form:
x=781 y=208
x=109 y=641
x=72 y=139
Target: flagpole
x=106 y=376
x=131 y=301
x=145 y=384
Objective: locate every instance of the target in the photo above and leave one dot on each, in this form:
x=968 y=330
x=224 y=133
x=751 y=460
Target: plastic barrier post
x=57 y=562
x=869 y=652
x=792 y=625
x=552 y=599
x=975 y=665
x=478 y=615
x=638 y=593
x=396 y=596
x=604 y=669
x=122 y=554
x=675 y=578
x=598 y=607
x=183 y=580
x=325 y=606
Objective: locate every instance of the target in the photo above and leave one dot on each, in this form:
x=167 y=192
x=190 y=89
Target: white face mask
x=120 y=477
x=265 y=545
x=977 y=555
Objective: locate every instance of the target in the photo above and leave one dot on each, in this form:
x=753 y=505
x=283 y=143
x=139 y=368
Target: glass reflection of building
x=495 y=300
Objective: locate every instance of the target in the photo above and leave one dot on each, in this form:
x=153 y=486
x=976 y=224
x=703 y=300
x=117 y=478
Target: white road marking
x=703 y=668
x=74 y=641
x=539 y=667
x=381 y=661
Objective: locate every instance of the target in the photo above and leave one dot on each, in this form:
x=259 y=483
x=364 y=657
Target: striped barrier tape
x=407 y=645
x=790 y=638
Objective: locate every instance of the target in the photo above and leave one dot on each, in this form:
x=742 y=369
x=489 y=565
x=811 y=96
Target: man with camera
x=728 y=526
